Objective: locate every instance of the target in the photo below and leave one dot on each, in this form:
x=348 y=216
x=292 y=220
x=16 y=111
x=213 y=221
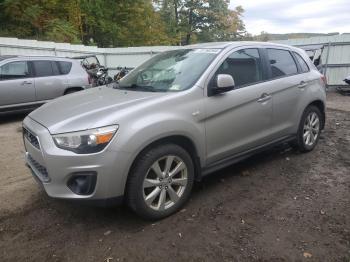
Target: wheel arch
x=74 y=88
x=180 y=140
x=321 y=106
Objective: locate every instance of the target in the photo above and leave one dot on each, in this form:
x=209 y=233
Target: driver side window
x=14 y=70
x=244 y=66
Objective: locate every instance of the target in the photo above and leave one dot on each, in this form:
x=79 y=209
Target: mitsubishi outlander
x=174 y=119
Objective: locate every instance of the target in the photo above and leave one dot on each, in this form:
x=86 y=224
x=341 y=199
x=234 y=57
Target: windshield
x=169 y=71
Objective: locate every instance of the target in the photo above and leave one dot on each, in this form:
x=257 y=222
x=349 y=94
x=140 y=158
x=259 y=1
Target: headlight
x=86 y=142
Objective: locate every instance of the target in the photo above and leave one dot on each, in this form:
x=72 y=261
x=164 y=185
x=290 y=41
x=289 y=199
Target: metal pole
x=327 y=57
x=105 y=58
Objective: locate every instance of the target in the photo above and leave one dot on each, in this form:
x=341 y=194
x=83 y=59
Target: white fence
x=109 y=57
x=336 y=61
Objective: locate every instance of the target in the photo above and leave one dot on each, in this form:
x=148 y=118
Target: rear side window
x=244 y=66
x=14 y=70
x=281 y=63
x=64 y=67
x=43 y=68
x=303 y=65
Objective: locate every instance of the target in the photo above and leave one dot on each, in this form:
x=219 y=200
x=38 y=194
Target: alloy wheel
x=165 y=182
x=311 y=129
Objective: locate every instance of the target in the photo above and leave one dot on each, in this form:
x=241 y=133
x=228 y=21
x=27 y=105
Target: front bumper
x=54 y=167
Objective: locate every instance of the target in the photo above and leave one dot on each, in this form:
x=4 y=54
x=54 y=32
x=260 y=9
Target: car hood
x=87 y=109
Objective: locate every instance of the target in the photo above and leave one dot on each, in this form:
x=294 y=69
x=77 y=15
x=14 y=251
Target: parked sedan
x=27 y=82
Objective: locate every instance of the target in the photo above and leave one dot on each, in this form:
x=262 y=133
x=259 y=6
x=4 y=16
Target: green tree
x=169 y=13
x=38 y=19
x=201 y=20
x=122 y=23
x=110 y=23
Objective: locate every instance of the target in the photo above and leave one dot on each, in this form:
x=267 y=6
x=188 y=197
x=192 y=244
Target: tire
x=146 y=181
x=302 y=142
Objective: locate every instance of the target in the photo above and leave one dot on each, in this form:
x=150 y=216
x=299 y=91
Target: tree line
x=113 y=23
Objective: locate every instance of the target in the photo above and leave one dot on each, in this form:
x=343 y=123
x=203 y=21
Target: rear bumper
x=53 y=167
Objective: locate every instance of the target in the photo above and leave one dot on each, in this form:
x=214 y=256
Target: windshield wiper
x=138 y=87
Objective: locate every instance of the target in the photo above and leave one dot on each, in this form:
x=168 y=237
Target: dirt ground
x=277 y=206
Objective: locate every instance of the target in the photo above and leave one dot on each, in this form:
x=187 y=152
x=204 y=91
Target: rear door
x=239 y=120
x=49 y=82
x=287 y=86
x=16 y=83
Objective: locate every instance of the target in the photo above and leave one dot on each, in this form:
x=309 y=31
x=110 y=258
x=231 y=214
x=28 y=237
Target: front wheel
x=309 y=129
x=160 y=182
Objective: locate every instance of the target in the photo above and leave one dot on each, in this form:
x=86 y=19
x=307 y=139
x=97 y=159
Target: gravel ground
x=277 y=206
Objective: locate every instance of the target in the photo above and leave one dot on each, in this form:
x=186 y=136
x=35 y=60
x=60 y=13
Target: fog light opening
x=82 y=183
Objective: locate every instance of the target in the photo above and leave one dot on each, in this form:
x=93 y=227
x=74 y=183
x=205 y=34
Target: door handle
x=264 y=97
x=26 y=83
x=302 y=84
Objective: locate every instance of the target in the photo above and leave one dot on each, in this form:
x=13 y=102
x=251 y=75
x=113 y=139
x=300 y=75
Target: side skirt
x=243 y=155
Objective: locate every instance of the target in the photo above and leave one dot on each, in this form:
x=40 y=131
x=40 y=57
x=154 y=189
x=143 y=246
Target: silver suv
x=176 y=118
x=27 y=82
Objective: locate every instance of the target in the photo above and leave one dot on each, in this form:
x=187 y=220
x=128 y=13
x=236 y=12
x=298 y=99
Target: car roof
x=223 y=45
x=37 y=57
x=32 y=56
x=83 y=56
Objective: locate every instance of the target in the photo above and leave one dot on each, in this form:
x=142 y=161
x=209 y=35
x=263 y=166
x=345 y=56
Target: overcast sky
x=295 y=16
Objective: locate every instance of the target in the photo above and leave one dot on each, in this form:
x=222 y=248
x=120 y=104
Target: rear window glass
x=303 y=65
x=42 y=68
x=281 y=63
x=65 y=67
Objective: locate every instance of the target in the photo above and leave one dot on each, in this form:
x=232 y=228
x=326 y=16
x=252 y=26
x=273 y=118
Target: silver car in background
x=29 y=81
x=176 y=118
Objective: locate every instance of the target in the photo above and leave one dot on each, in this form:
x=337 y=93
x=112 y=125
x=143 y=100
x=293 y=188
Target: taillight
x=324 y=79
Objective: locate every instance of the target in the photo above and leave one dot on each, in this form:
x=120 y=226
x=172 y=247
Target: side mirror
x=222 y=83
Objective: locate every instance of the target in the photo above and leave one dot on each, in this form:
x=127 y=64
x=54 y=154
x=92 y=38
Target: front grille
x=43 y=174
x=31 y=138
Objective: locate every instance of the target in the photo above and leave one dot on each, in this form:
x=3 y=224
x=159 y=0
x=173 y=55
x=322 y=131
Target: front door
x=16 y=84
x=240 y=119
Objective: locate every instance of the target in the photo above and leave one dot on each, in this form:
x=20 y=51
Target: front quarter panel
x=168 y=118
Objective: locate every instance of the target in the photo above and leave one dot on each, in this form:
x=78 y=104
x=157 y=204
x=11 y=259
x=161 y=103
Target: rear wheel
x=160 y=182
x=309 y=129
